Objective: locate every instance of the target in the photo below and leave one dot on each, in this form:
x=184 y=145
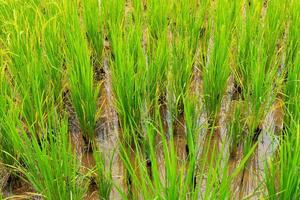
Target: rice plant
x=83 y=92
x=282 y=173
x=48 y=165
x=190 y=180
x=286 y=160
x=193 y=86
x=103 y=176
x=33 y=75
x=217 y=69
x=184 y=38
x=6 y=104
x=93 y=18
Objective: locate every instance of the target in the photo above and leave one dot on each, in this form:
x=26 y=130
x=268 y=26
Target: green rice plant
x=291 y=91
x=282 y=172
x=113 y=14
x=129 y=71
x=93 y=19
x=191 y=116
x=26 y=65
x=128 y=74
x=217 y=69
x=150 y=59
x=84 y=93
x=157 y=18
x=156 y=70
x=218 y=186
x=205 y=8
x=236 y=127
x=182 y=183
x=157 y=52
x=285 y=163
x=245 y=72
x=6 y=145
x=248 y=27
x=257 y=65
x=258 y=60
x=274 y=26
x=291 y=88
x=258 y=87
x=155 y=47
x=52 y=41
x=49 y=165
x=6 y=103
x=185 y=23
x=188 y=182
x=127 y=88
x=103 y=176
x=152 y=185
x=192 y=129
x=34 y=77
x=133 y=160
x=292 y=39
x=137 y=12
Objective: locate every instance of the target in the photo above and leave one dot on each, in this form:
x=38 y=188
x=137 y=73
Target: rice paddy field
x=150 y=99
